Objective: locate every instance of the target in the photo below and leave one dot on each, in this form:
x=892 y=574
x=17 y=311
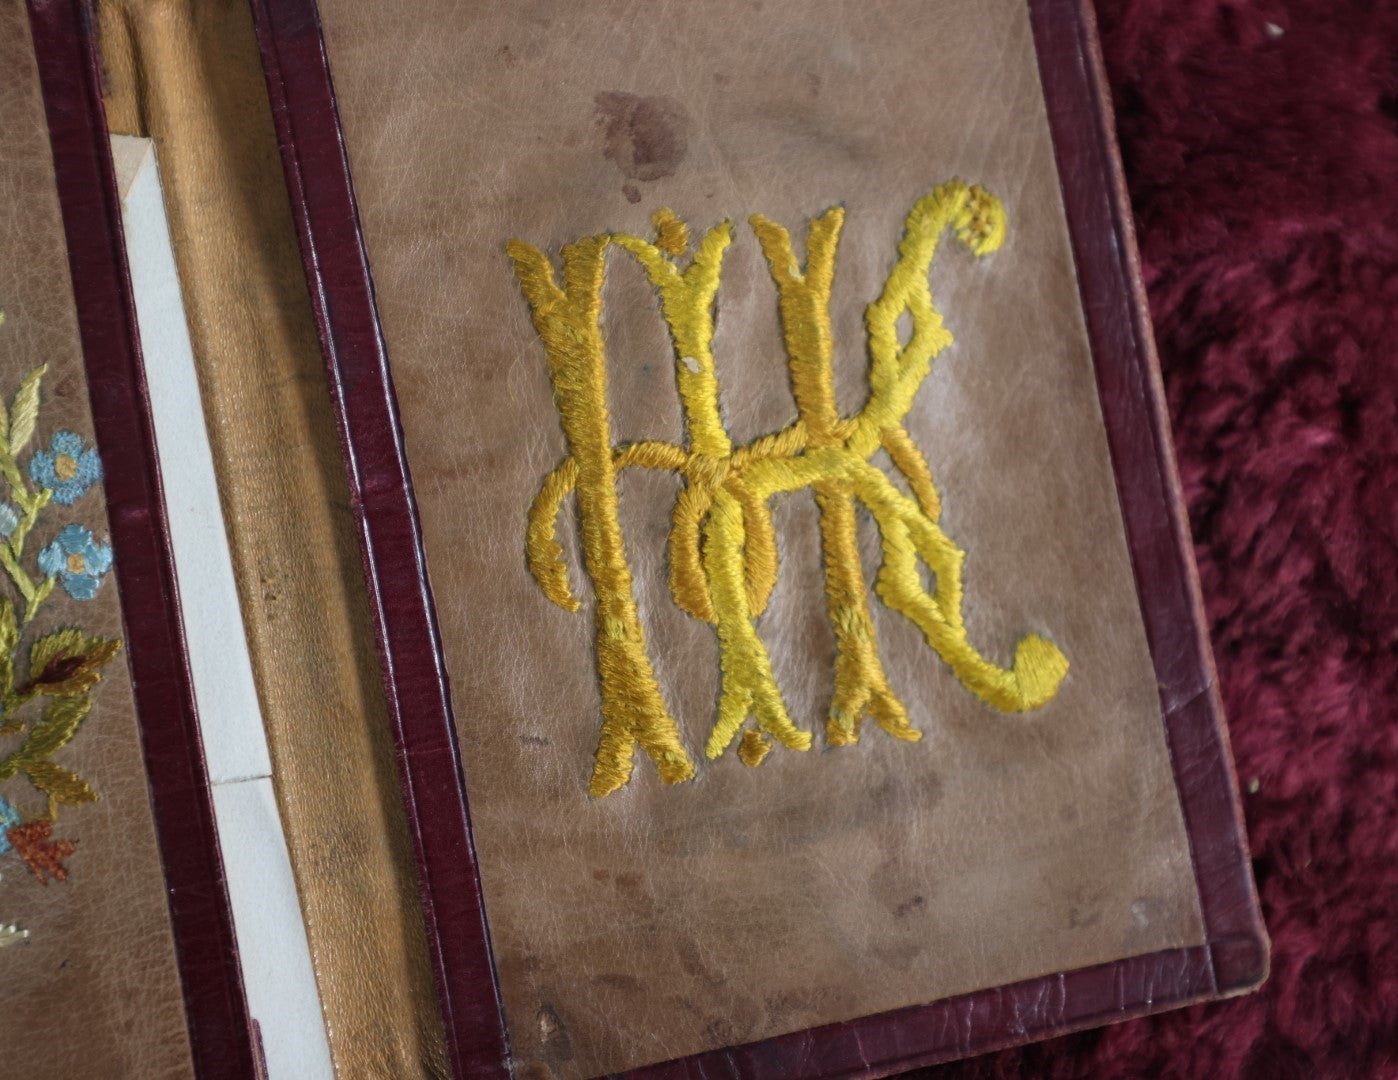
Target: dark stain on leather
x=553 y=1037
x=645 y=137
x=721 y=1032
x=693 y=964
x=910 y=905
x=1078 y=919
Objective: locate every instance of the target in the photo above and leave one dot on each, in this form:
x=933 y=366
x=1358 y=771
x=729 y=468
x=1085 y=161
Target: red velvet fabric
x=1261 y=147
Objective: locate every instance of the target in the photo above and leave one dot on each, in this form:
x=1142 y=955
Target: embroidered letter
x=567 y=321
x=722 y=544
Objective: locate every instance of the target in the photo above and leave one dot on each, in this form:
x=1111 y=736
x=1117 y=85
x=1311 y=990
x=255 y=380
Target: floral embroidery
x=47 y=677
x=43 y=855
x=9 y=818
x=66 y=468
x=77 y=560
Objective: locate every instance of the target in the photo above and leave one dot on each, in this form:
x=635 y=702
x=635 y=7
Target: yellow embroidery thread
x=567 y=321
x=723 y=555
x=805 y=309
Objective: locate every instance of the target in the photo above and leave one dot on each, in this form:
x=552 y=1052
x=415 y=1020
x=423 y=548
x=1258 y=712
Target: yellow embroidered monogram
x=722 y=544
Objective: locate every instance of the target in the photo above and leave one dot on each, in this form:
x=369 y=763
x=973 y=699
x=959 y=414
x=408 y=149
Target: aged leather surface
x=94 y=992
x=661 y=922
x=1138 y=428
x=191 y=80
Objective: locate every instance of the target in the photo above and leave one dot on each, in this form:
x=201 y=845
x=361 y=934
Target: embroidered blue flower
x=9 y=520
x=9 y=818
x=66 y=468
x=78 y=561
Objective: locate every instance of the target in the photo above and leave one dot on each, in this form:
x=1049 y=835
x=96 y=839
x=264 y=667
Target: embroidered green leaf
x=4 y=413
x=41 y=593
x=24 y=413
x=55 y=780
x=61 y=721
x=9 y=638
x=68 y=661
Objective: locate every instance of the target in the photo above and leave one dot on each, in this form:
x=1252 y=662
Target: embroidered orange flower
x=43 y=855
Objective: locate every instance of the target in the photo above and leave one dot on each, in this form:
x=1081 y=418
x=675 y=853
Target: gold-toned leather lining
x=189 y=77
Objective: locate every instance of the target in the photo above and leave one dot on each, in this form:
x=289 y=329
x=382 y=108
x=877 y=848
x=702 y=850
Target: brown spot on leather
x=632 y=193
x=628 y=882
x=900 y=957
x=645 y=137
x=506 y=55
x=1085 y=908
x=693 y=965
x=787 y=1005
x=1078 y=919
x=65 y=387
x=553 y=1037
x=907 y=907
x=600 y=875
x=721 y=1032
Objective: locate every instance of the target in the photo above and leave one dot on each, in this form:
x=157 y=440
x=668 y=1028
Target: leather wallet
x=732 y=613
x=828 y=687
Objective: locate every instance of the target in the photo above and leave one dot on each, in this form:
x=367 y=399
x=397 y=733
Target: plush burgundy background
x=1263 y=167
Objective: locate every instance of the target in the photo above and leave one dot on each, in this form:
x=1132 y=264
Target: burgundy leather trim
x=410 y=652
x=962 y=1026
x=1157 y=530
x=220 y=1030
x=1099 y=216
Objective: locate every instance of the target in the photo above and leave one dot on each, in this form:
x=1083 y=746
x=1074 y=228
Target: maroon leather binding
x=317 y=175
x=1157 y=531
x=69 y=72
x=1099 y=217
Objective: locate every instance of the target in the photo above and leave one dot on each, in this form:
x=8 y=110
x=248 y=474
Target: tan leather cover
x=93 y=991
x=191 y=80
x=659 y=922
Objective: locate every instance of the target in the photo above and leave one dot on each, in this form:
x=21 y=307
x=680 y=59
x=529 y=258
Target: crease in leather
x=189 y=77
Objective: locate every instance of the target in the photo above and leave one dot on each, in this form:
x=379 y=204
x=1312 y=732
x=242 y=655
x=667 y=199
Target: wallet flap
x=820 y=645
